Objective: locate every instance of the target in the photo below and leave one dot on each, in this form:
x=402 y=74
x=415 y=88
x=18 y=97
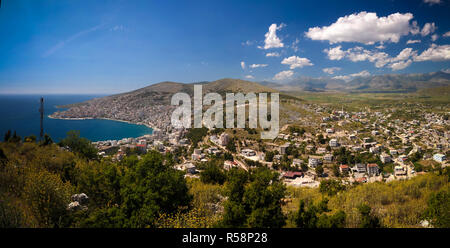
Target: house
x=343 y=168
x=372 y=169
x=321 y=150
x=393 y=152
x=292 y=174
x=248 y=152
x=224 y=139
x=283 y=148
x=385 y=158
x=438 y=157
x=360 y=168
x=367 y=139
x=374 y=149
x=328 y=158
x=228 y=165
x=188 y=167
x=313 y=162
x=361 y=180
x=330 y=130
x=333 y=143
x=296 y=162
x=399 y=171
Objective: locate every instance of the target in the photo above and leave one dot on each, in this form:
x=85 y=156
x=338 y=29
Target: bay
x=20 y=113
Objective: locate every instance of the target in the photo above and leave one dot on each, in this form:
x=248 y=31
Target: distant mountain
x=375 y=83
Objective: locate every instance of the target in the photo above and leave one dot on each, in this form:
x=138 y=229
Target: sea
x=20 y=113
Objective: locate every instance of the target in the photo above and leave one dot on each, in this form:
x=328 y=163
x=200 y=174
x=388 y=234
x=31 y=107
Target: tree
x=46 y=141
x=253 y=200
x=7 y=136
x=438 y=210
x=368 y=220
x=47 y=195
x=81 y=146
x=269 y=156
x=149 y=188
x=212 y=174
x=319 y=170
x=331 y=187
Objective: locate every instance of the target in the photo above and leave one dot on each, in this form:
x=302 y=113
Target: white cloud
x=446 y=34
x=335 y=53
x=405 y=54
x=358 y=54
x=345 y=78
x=365 y=28
x=117 y=28
x=331 y=70
x=446 y=70
x=272 y=40
x=257 y=65
x=381 y=46
x=413 y=41
x=295 y=45
x=242 y=64
x=361 y=74
x=431 y=2
x=296 y=62
x=400 y=65
x=273 y=54
x=249 y=77
x=428 y=28
x=247 y=43
x=283 y=75
x=61 y=44
x=414 y=29
x=434 y=37
x=435 y=53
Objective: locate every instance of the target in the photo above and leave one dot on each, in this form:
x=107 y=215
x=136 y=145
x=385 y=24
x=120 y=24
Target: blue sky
x=115 y=46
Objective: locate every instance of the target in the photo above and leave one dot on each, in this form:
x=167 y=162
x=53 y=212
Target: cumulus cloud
x=294 y=45
x=257 y=65
x=435 y=53
x=275 y=54
x=414 y=29
x=272 y=40
x=335 y=53
x=331 y=70
x=432 y=2
x=364 y=73
x=296 y=62
x=283 y=75
x=347 y=78
x=428 y=28
x=400 y=65
x=380 y=59
x=364 y=27
x=446 y=70
x=249 y=77
x=434 y=37
x=446 y=34
x=412 y=41
x=242 y=64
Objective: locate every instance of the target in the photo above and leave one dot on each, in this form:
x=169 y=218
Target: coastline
x=109 y=119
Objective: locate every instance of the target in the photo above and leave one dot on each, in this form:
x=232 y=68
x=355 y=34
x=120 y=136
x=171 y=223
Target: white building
x=438 y=157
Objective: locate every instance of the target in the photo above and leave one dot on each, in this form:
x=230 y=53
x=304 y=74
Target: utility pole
x=41 y=110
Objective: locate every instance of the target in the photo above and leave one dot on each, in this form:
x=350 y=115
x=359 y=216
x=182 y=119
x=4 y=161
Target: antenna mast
x=41 y=110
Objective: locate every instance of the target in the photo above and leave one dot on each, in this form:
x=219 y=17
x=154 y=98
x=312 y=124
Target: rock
x=74 y=206
x=82 y=198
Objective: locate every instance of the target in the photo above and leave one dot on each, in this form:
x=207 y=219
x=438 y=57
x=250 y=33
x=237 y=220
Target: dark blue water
x=21 y=113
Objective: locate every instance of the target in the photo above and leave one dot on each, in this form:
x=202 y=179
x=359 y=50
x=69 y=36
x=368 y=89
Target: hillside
x=151 y=105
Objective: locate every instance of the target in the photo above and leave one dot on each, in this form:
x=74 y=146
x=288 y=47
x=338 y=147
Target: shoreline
x=109 y=119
